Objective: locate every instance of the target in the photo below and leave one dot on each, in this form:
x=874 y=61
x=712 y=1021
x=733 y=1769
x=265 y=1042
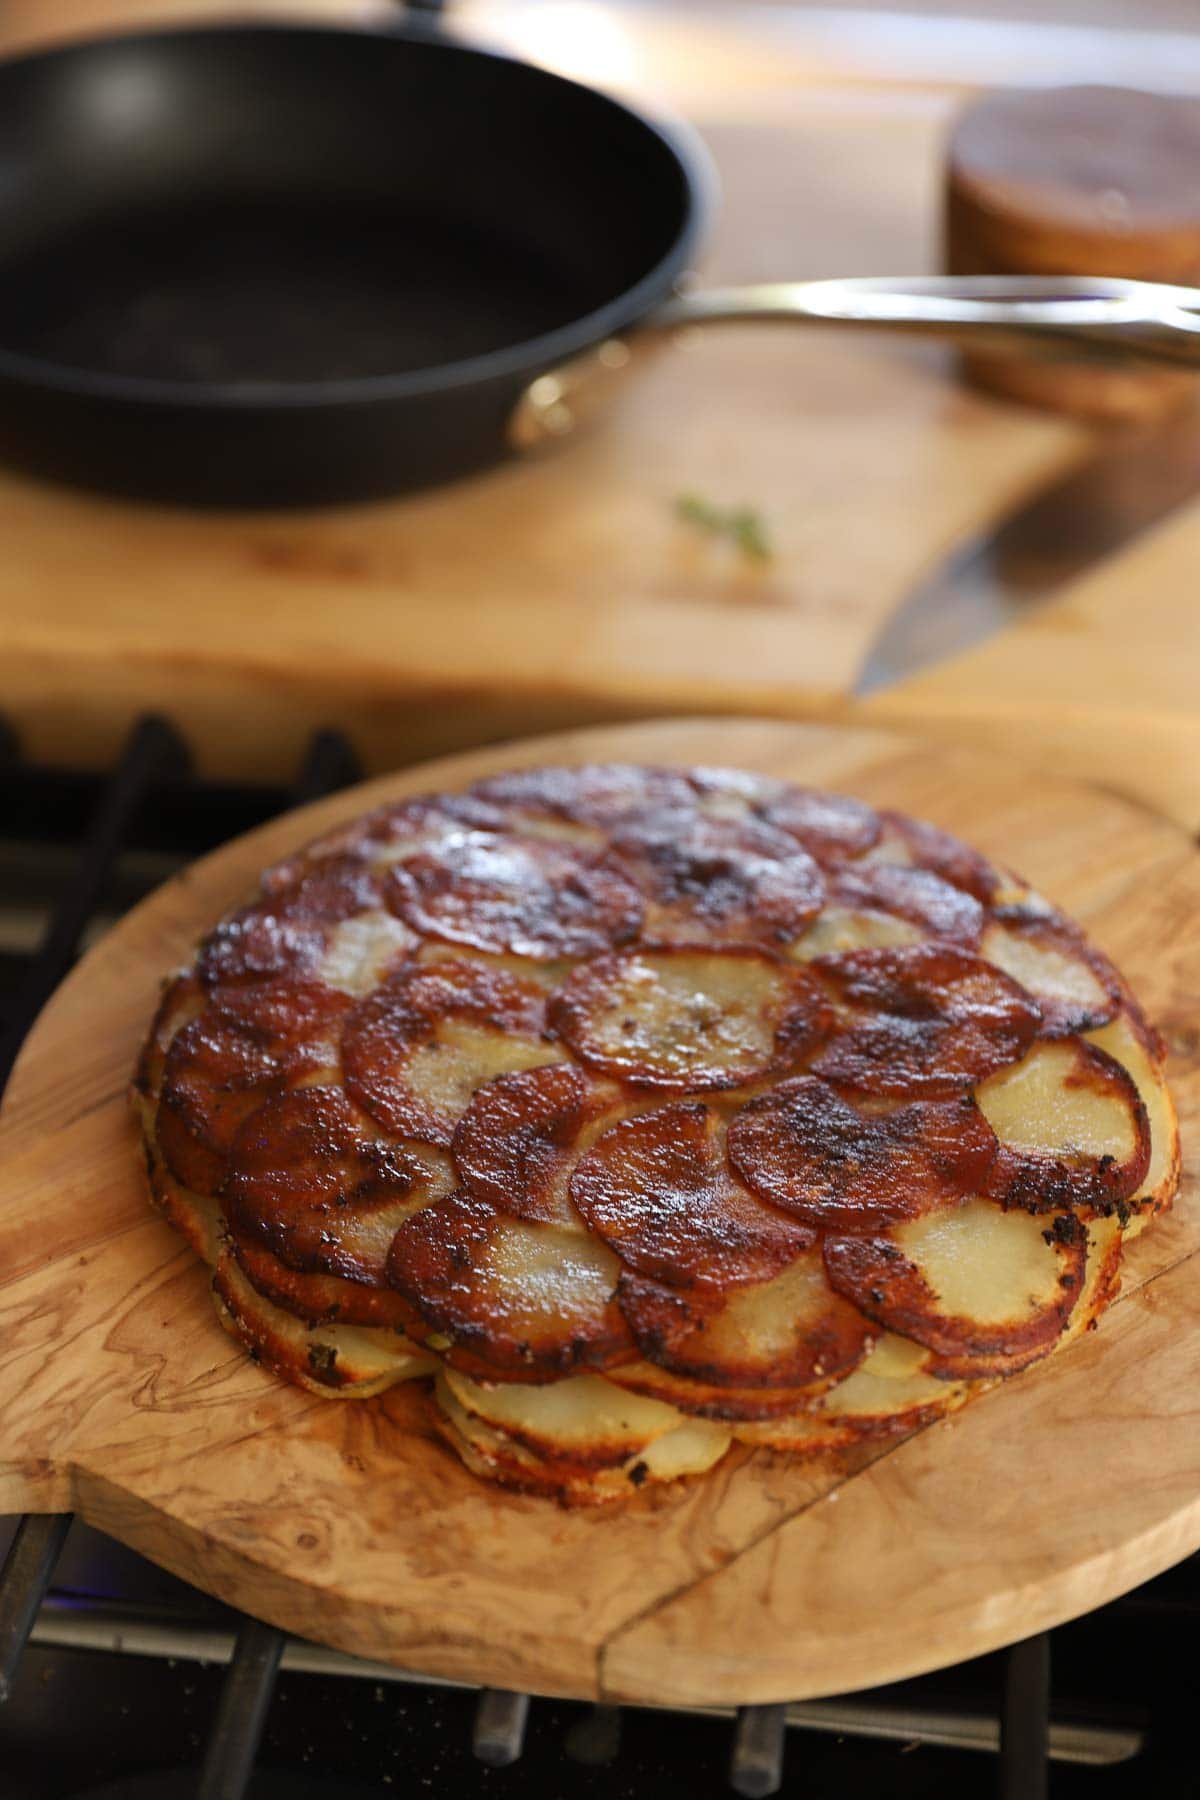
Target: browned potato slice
x=338 y=1361
x=658 y=1189
x=922 y=1021
x=518 y=1142
x=416 y=1049
x=936 y=907
x=717 y=881
x=928 y=847
x=846 y=1168
x=703 y=1400
x=285 y=932
x=182 y=1000
x=1128 y=1042
x=323 y=1299
x=1068 y=978
x=1072 y=1129
x=790 y=1331
x=310 y=1180
x=251 y=1041
x=583 y=1419
x=677 y=1018
x=987 y=1290
x=527 y=1298
x=601 y=795
x=528 y=896
x=197 y=1217
x=830 y=826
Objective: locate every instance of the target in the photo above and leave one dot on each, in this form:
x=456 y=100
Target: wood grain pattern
x=349 y=1522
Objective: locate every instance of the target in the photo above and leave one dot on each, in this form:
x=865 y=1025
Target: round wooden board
x=349 y=1522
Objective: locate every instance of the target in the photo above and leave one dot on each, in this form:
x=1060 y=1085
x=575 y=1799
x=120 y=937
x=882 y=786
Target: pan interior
x=301 y=207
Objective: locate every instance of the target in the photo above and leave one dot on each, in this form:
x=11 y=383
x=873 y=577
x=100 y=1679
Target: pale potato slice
x=444 y=1074
x=891 y=1389
x=197 y=1217
x=688 y=1449
x=853 y=928
x=1055 y=969
x=1102 y=1277
x=363 y=950
x=547 y=972
x=1072 y=1129
x=337 y=1361
x=1126 y=1044
x=987 y=1291
x=584 y=1418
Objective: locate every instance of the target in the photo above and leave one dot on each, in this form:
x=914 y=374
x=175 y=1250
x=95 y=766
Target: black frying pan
x=281 y=265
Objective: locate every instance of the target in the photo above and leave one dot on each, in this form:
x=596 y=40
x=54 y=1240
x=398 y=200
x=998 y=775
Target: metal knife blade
x=1134 y=480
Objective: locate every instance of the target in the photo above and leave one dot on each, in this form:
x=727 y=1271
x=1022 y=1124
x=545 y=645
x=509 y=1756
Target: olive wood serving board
x=350 y=1522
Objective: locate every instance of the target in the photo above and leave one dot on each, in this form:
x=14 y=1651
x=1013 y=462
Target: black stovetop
x=117 y=1692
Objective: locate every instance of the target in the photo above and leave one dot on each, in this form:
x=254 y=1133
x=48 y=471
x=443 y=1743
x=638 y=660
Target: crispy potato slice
x=936 y=907
x=196 y=1217
x=1068 y=978
x=853 y=928
x=518 y=1142
x=309 y=1180
x=526 y=896
x=416 y=1050
x=342 y=1362
x=792 y=1331
x=704 y=1400
x=677 y=1018
x=183 y=1000
x=829 y=826
x=714 y=881
x=320 y=1299
x=1072 y=1129
x=583 y=1419
x=922 y=1021
x=928 y=847
x=529 y=1299
x=251 y=1042
x=837 y=1166
x=987 y=1290
x=600 y=795
x=285 y=932
x=658 y=1189
x=1129 y=1042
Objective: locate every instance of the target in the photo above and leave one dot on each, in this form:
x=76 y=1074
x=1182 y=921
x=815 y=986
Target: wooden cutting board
x=351 y=1523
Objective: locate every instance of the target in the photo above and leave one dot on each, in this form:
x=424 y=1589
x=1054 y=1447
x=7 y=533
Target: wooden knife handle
x=1078 y=181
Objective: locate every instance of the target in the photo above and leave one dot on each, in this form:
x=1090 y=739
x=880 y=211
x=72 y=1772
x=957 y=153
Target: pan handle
x=1079 y=317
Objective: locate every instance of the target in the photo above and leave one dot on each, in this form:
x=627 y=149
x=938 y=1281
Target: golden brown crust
x=647 y=1103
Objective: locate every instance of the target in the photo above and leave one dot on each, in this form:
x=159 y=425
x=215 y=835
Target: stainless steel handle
x=1078 y=315
x=1074 y=316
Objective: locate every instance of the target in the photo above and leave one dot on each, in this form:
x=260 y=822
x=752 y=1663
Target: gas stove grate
x=122 y=846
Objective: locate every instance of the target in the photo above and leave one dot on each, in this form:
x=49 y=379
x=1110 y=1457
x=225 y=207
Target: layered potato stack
x=648 y=1110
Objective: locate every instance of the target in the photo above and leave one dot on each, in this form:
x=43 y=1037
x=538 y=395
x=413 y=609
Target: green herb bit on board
x=741 y=524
